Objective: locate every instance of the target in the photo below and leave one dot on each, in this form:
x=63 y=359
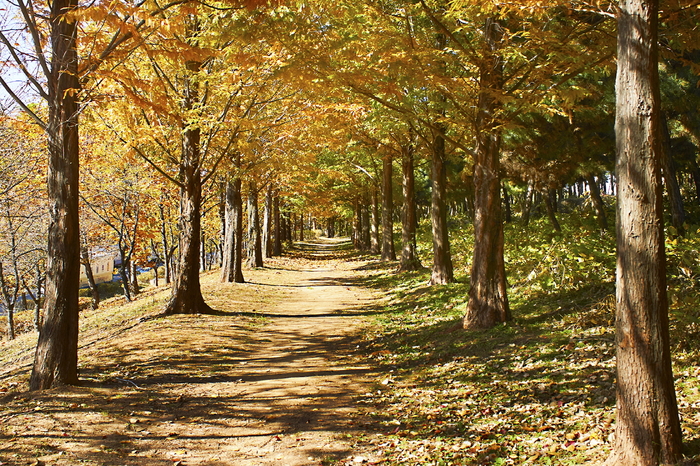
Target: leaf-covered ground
x=393 y=382
x=538 y=390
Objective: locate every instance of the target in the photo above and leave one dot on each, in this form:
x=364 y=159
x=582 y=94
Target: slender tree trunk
x=527 y=205
x=374 y=225
x=357 y=225
x=506 y=202
x=488 y=301
x=277 y=247
x=255 y=258
x=167 y=256
x=85 y=261
x=228 y=269
x=301 y=227
x=670 y=177
x=409 y=223
x=56 y=356
x=696 y=178
x=598 y=204
x=551 y=210
x=9 y=302
x=237 y=232
x=186 y=295
x=134 y=276
x=388 y=250
x=647 y=431
x=267 y=224
x=366 y=227
x=124 y=272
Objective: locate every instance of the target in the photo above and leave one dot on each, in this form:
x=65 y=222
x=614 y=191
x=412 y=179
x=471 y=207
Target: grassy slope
x=538 y=390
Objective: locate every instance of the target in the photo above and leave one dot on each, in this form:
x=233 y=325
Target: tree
x=648 y=429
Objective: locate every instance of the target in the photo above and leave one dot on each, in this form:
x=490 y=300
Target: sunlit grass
x=537 y=390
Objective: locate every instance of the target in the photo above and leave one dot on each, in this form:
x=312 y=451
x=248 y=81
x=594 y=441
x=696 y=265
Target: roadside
x=272 y=380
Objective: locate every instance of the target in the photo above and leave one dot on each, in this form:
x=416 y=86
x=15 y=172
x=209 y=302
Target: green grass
x=537 y=390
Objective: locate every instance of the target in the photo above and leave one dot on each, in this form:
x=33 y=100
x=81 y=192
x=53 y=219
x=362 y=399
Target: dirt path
x=273 y=385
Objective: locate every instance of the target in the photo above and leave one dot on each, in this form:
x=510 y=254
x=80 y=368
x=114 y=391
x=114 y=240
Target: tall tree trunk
x=357 y=225
x=167 y=255
x=488 y=301
x=85 y=261
x=506 y=202
x=277 y=247
x=56 y=356
x=237 y=231
x=366 y=227
x=670 y=176
x=388 y=250
x=527 y=205
x=550 y=203
x=255 y=258
x=228 y=269
x=9 y=302
x=647 y=431
x=301 y=226
x=186 y=295
x=374 y=225
x=124 y=272
x=442 y=259
x=598 y=204
x=267 y=225
x=409 y=223
x=696 y=178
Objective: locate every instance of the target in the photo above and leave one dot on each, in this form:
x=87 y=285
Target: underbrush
x=538 y=390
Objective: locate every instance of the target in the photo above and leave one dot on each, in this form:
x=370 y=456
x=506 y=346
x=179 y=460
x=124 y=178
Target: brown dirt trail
x=272 y=380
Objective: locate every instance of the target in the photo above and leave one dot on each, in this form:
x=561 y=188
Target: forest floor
x=274 y=379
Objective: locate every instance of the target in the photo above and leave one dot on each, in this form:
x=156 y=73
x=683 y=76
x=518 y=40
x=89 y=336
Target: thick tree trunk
x=598 y=204
x=488 y=301
x=124 y=273
x=388 y=250
x=668 y=166
x=647 y=431
x=409 y=223
x=186 y=295
x=374 y=225
x=56 y=356
x=442 y=272
x=255 y=257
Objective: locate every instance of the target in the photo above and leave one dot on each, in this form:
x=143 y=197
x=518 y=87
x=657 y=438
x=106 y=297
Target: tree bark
x=527 y=205
x=374 y=225
x=186 y=295
x=85 y=261
x=598 y=204
x=488 y=301
x=442 y=272
x=647 y=429
x=277 y=246
x=550 y=204
x=267 y=224
x=409 y=223
x=255 y=257
x=388 y=250
x=56 y=356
